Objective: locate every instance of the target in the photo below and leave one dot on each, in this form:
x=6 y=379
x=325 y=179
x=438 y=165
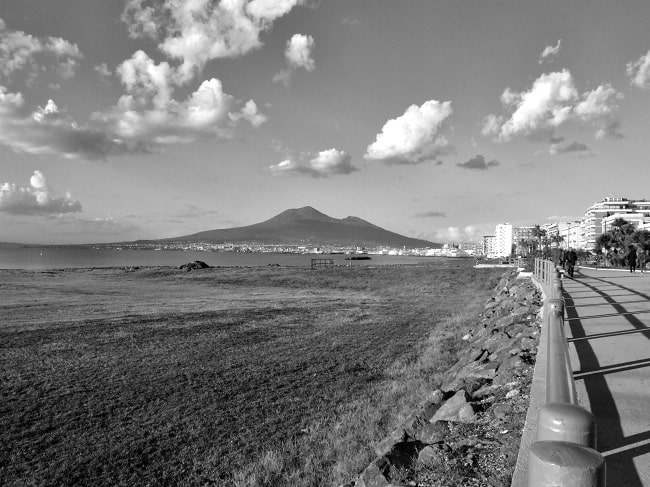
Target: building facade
x=524 y=239
x=489 y=246
x=503 y=234
x=600 y=215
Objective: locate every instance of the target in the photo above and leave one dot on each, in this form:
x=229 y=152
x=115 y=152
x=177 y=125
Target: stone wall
x=468 y=431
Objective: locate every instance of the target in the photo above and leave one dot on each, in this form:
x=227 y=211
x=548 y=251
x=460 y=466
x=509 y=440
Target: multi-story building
x=524 y=238
x=594 y=226
x=572 y=235
x=503 y=235
x=489 y=246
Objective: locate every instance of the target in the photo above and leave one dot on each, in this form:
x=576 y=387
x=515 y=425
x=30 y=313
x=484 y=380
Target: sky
x=436 y=119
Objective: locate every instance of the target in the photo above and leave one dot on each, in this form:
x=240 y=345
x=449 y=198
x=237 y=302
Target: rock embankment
x=468 y=431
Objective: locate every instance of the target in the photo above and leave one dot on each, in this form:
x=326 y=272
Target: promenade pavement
x=608 y=328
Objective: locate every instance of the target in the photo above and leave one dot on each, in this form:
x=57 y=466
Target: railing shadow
x=611 y=437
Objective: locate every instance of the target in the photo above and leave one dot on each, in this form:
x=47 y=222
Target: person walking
x=631 y=258
x=642 y=258
x=570 y=258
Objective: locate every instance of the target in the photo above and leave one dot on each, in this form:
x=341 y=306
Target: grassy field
x=226 y=376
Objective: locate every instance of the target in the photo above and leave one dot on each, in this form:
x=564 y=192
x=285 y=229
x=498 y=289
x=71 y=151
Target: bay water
x=35 y=258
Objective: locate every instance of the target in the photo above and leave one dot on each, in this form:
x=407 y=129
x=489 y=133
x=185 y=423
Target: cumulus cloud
x=149 y=114
x=24 y=53
x=37 y=199
x=298 y=55
x=549 y=52
x=478 y=163
x=414 y=137
x=639 y=71
x=577 y=148
x=323 y=164
x=431 y=214
x=198 y=31
x=554 y=100
x=49 y=131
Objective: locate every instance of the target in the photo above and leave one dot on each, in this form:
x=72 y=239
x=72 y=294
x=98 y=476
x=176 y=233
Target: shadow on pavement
x=611 y=439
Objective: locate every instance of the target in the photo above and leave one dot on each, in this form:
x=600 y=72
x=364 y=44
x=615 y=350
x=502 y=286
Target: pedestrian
x=570 y=258
x=631 y=258
x=642 y=258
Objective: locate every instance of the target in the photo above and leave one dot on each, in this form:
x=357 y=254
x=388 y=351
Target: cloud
x=48 y=131
x=23 y=53
x=148 y=113
x=478 y=163
x=414 y=137
x=549 y=52
x=552 y=101
x=577 y=148
x=431 y=214
x=350 y=21
x=324 y=164
x=103 y=72
x=196 y=32
x=639 y=72
x=249 y=113
x=37 y=199
x=298 y=55
x=194 y=211
x=456 y=234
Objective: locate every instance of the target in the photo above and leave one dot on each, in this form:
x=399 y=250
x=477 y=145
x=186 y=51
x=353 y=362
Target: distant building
x=503 y=235
x=489 y=246
x=600 y=215
x=524 y=238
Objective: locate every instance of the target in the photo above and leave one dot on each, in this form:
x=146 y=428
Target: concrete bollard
x=566 y=422
x=560 y=464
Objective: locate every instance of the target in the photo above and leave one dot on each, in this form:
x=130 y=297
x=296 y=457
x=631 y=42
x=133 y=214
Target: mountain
x=308 y=226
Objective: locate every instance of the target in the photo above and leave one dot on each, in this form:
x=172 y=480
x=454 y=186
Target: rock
x=430 y=455
x=466 y=414
x=386 y=445
x=433 y=432
x=197 y=264
x=372 y=477
x=454 y=408
x=486 y=390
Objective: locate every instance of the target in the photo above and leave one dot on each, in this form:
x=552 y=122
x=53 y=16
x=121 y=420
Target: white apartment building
x=600 y=214
x=503 y=235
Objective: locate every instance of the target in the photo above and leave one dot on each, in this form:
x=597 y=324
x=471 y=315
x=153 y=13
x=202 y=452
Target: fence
x=322 y=263
x=564 y=453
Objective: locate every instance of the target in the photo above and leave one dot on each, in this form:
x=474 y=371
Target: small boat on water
x=358 y=257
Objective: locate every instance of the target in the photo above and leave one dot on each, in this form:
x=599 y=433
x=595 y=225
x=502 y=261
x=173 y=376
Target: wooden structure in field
x=315 y=263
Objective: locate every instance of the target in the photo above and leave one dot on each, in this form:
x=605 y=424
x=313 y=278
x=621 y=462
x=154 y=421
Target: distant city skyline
x=436 y=120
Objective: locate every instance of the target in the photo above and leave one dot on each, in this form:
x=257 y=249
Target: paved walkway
x=608 y=318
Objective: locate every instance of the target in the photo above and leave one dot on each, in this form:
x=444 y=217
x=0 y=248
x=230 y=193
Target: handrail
x=564 y=453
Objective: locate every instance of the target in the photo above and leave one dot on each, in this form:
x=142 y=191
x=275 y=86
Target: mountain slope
x=308 y=226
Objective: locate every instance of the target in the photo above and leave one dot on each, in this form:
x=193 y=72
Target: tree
x=557 y=239
x=619 y=238
x=539 y=234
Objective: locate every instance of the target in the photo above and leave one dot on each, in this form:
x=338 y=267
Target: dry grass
x=244 y=376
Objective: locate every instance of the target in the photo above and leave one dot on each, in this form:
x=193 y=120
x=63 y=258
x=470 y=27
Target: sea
x=43 y=258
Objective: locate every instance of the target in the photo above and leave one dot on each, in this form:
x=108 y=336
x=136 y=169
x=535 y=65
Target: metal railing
x=564 y=453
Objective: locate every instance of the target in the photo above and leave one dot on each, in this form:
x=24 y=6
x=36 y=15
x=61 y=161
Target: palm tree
x=539 y=233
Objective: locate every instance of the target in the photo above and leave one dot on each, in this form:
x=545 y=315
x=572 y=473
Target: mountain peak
x=304 y=213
